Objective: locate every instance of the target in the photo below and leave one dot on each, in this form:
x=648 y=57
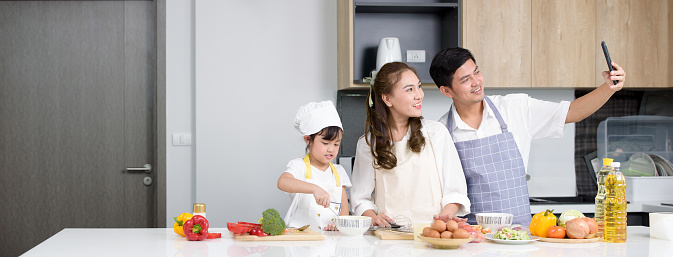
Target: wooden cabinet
x=638 y=35
x=556 y=43
x=498 y=33
x=429 y=25
x=517 y=43
x=564 y=44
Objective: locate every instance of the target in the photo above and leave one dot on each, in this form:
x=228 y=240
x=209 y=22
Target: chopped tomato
x=258 y=232
x=556 y=232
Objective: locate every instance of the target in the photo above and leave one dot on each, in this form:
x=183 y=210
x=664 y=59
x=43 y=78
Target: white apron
x=412 y=189
x=305 y=211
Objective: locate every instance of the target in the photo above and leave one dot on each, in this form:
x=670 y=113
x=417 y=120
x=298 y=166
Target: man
x=493 y=134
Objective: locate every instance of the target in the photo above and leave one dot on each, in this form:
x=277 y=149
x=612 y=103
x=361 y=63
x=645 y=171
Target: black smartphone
x=607 y=58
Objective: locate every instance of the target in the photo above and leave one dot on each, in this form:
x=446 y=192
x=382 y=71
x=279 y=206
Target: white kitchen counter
x=164 y=242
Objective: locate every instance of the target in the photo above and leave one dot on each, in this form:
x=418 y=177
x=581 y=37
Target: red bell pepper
x=196 y=228
x=237 y=229
x=250 y=224
x=214 y=235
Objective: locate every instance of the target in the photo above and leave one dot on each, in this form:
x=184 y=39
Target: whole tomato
x=556 y=232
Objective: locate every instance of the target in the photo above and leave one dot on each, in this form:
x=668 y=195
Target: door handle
x=147 y=168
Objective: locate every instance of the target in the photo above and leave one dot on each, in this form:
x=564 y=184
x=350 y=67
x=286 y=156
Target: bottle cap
x=199 y=208
x=615 y=164
x=607 y=161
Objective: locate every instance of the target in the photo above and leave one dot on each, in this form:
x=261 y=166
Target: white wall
x=256 y=63
x=236 y=73
x=179 y=107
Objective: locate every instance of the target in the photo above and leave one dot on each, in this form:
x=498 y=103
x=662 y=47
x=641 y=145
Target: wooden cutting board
x=387 y=234
x=306 y=235
x=569 y=241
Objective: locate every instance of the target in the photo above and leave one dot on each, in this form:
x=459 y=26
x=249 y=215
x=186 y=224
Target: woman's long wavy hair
x=377 y=129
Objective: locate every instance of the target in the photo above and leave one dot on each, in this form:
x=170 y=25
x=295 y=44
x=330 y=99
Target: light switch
x=182 y=139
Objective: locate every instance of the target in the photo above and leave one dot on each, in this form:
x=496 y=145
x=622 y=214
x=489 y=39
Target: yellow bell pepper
x=541 y=222
x=180 y=221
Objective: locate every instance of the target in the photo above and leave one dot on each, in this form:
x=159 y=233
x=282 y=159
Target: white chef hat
x=313 y=117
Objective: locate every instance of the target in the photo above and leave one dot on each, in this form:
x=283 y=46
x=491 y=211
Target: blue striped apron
x=495 y=173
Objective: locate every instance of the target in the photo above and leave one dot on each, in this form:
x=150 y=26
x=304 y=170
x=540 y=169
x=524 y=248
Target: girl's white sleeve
x=297 y=169
x=362 y=180
x=452 y=178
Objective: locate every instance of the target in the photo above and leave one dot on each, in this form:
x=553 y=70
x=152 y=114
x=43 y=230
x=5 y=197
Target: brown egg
x=446 y=234
x=426 y=231
x=461 y=234
x=434 y=234
x=439 y=225
x=451 y=225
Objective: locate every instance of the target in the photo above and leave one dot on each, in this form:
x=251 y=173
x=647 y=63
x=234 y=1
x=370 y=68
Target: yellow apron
x=412 y=189
x=305 y=211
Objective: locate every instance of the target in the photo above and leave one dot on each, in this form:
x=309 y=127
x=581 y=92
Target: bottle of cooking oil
x=615 y=206
x=599 y=214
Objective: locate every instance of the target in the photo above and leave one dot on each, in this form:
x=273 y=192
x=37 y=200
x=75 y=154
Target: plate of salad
x=512 y=236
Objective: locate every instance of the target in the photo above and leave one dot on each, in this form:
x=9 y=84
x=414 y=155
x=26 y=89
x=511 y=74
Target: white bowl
x=353 y=225
x=494 y=220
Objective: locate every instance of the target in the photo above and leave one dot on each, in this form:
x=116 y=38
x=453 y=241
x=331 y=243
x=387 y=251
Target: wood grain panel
x=387 y=234
x=670 y=44
x=344 y=44
x=69 y=74
x=636 y=32
x=564 y=44
x=61 y=129
x=306 y=235
x=498 y=32
x=139 y=93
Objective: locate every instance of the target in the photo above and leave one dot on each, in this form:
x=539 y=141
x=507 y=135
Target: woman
x=410 y=164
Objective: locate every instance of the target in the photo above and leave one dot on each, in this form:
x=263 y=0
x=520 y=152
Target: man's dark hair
x=445 y=64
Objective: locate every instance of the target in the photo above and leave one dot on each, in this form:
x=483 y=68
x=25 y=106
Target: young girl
x=316 y=186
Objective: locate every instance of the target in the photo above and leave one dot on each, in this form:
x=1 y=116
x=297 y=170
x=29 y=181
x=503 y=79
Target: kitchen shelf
x=421 y=25
x=406 y=7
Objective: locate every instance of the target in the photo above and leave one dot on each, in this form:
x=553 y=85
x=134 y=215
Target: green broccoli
x=272 y=223
x=271 y=211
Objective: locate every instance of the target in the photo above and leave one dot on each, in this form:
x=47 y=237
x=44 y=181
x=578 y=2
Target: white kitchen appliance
x=389 y=51
x=643 y=144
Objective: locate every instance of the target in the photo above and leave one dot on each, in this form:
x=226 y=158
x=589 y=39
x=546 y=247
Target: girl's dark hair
x=329 y=133
x=378 y=127
x=445 y=64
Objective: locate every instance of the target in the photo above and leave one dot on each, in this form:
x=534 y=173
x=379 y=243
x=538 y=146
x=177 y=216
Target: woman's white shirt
x=452 y=179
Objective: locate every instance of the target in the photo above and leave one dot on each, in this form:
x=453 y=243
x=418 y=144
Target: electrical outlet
x=415 y=55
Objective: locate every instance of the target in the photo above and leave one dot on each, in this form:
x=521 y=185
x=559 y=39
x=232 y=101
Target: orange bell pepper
x=541 y=222
x=180 y=221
